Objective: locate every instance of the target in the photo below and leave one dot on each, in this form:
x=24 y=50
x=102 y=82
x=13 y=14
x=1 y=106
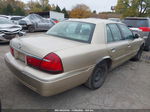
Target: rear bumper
x=51 y=85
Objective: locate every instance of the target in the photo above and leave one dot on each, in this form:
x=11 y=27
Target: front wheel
x=98 y=76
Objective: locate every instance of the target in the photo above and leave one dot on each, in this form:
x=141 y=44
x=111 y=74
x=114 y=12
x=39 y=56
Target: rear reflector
x=145 y=29
x=12 y=51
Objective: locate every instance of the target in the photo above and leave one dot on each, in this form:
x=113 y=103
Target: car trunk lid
x=42 y=45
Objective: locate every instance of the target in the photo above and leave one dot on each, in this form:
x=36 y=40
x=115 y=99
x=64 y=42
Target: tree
x=45 y=5
x=94 y=11
x=12 y=7
x=133 y=7
x=58 y=9
x=19 y=11
x=8 y=10
x=80 y=11
x=34 y=6
x=65 y=12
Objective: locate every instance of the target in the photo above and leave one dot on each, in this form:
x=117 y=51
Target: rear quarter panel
x=82 y=57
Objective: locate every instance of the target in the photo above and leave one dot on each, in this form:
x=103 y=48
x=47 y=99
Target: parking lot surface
x=127 y=87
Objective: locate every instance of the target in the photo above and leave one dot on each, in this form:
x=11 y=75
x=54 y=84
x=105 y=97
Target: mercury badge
x=19 y=46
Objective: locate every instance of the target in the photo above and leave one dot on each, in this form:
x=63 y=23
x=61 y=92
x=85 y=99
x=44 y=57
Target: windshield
x=136 y=22
x=79 y=31
x=5 y=21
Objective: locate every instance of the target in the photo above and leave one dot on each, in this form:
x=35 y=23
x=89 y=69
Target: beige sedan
x=71 y=53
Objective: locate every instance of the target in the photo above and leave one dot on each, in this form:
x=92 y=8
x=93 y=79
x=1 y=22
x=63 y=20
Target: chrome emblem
x=19 y=46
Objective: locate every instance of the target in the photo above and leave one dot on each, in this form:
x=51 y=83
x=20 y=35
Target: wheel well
x=108 y=61
x=142 y=46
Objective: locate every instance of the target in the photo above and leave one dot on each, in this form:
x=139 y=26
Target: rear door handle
x=113 y=50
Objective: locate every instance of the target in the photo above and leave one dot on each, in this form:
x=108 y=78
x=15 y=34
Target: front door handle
x=113 y=50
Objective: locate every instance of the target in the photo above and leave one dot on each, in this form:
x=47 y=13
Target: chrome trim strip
x=26 y=53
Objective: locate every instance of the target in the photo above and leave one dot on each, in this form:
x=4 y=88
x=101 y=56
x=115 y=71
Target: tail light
x=12 y=51
x=33 y=61
x=145 y=29
x=50 y=63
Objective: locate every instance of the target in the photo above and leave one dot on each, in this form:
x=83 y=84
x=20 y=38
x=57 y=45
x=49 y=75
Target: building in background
x=50 y=14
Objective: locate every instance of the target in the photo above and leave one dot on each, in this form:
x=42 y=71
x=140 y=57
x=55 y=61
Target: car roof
x=137 y=18
x=3 y=17
x=94 y=20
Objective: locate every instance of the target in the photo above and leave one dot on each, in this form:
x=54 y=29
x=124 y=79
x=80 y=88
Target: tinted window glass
x=127 y=34
x=136 y=22
x=5 y=21
x=109 y=35
x=115 y=32
x=73 y=30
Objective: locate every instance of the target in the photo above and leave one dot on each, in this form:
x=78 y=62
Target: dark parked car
x=8 y=30
x=34 y=22
x=140 y=25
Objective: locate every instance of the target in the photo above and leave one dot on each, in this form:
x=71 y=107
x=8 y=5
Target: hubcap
x=99 y=75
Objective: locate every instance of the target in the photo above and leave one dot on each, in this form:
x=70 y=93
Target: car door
x=117 y=47
x=40 y=23
x=133 y=44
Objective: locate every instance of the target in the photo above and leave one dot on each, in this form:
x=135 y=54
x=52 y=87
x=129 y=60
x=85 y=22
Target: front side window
x=127 y=34
x=79 y=31
x=115 y=32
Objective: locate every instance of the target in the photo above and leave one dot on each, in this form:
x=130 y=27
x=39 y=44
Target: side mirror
x=136 y=36
x=21 y=33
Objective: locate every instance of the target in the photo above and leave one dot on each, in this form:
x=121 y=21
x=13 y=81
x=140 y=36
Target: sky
x=98 y=5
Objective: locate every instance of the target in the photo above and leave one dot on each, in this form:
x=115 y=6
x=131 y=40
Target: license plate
x=20 y=56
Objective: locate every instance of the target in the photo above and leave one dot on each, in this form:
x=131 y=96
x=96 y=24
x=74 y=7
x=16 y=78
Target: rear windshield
x=136 y=22
x=79 y=31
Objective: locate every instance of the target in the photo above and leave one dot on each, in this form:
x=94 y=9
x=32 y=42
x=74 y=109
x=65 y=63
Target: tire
x=98 y=76
x=137 y=57
x=31 y=29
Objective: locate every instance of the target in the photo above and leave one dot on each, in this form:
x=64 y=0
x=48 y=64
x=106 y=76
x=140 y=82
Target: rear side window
x=115 y=32
x=127 y=34
x=136 y=22
x=109 y=35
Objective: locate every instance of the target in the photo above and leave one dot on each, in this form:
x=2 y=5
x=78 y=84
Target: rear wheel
x=98 y=76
